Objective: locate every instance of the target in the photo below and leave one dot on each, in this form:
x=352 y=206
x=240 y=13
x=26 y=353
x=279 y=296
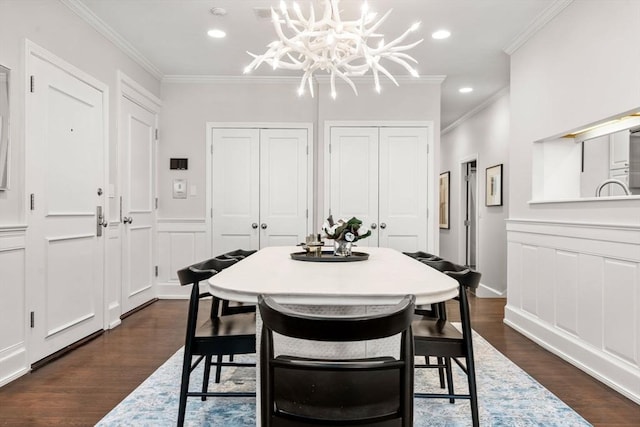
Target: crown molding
x=428 y=79
x=469 y=114
x=536 y=25
x=100 y=26
x=195 y=79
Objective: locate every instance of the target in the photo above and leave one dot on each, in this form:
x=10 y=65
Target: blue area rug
x=507 y=396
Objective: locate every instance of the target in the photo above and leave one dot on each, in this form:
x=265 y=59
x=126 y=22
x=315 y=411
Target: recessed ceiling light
x=218 y=11
x=216 y=34
x=441 y=34
x=465 y=89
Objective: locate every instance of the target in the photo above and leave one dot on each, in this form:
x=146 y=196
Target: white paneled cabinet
x=380 y=175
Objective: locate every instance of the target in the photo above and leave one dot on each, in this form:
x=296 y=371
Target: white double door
x=380 y=175
x=259 y=188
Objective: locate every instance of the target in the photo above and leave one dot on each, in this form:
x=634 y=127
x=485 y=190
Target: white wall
x=485 y=135
x=56 y=28
x=583 y=67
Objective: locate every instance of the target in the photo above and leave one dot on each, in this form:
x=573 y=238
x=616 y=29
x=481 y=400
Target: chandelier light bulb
x=339 y=47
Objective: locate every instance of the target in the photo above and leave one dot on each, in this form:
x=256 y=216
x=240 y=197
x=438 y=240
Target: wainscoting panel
x=574 y=288
x=180 y=242
x=13 y=327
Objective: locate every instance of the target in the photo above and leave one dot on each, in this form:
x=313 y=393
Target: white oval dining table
x=384 y=278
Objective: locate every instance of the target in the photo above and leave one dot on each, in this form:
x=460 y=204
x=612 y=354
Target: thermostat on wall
x=179 y=188
x=180 y=164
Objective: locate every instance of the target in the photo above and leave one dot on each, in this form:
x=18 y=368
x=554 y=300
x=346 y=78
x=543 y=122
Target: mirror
x=4 y=127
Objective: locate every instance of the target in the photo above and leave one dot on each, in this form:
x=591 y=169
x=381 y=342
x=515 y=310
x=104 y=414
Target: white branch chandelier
x=330 y=44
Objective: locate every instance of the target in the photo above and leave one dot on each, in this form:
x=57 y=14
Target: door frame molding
x=462 y=202
x=254 y=125
x=433 y=234
x=33 y=50
x=127 y=87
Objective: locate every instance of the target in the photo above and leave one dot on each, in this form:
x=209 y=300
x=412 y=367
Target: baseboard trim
x=13 y=364
x=619 y=376
x=58 y=354
x=138 y=308
x=485 y=291
x=173 y=290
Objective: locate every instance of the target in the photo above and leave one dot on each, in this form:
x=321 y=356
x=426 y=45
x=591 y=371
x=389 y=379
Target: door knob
x=383 y=225
x=263 y=226
x=374 y=226
x=127 y=219
x=254 y=225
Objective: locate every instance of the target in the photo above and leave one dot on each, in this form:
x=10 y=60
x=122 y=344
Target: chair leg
x=184 y=388
x=447 y=363
x=205 y=378
x=440 y=361
x=231 y=358
x=471 y=378
x=218 y=368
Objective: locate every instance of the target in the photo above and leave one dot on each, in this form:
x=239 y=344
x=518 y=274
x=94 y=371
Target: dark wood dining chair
x=439 y=338
x=218 y=336
x=306 y=391
x=234 y=307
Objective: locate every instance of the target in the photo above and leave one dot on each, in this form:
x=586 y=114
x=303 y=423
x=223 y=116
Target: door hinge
x=156 y=203
x=329 y=148
x=32 y=84
x=307 y=150
x=32 y=319
x=307 y=213
x=427 y=149
x=211 y=148
x=156 y=270
x=211 y=212
x=32 y=201
x=157 y=134
x=467 y=178
x=467 y=223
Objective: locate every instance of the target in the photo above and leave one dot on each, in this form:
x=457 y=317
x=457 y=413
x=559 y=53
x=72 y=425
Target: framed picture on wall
x=493 y=187
x=444 y=200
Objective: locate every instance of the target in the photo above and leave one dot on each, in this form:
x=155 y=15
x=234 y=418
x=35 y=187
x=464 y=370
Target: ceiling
x=168 y=37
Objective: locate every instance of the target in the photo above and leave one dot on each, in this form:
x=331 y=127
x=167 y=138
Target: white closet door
x=354 y=176
x=236 y=186
x=65 y=258
x=283 y=187
x=137 y=139
x=403 y=188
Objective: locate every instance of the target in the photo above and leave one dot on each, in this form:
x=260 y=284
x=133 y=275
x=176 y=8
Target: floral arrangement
x=346 y=230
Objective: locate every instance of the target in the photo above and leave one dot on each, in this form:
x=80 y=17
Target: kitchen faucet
x=613 y=181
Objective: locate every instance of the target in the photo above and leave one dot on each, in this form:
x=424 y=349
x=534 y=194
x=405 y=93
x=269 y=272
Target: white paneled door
x=66 y=163
x=380 y=175
x=137 y=138
x=259 y=188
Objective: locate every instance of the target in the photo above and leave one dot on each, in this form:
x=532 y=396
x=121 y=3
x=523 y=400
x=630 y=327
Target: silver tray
x=328 y=256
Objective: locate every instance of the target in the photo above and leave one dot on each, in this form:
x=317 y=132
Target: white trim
x=14 y=363
x=433 y=231
x=585 y=199
x=485 y=291
x=210 y=126
x=536 y=25
x=469 y=114
x=428 y=79
x=186 y=226
x=598 y=364
x=137 y=93
x=210 y=79
x=110 y=34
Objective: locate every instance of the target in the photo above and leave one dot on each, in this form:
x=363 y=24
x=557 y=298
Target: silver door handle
x=263 y=226
x=254 y=225
x=383 y=225
x=374 y=226
x=127 y=219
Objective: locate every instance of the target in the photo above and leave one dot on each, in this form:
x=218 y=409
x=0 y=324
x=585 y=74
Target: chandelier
x=339 y=48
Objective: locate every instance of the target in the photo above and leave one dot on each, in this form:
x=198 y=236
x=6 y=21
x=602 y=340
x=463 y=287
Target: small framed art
x=493 y=187
x=444 y=200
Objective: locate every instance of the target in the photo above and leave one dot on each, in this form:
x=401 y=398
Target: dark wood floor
x=82 y=386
